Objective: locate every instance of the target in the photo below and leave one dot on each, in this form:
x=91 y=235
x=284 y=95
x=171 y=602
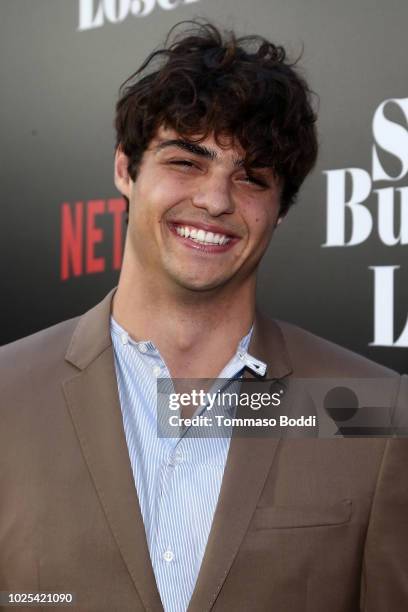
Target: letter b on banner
x=338 y=204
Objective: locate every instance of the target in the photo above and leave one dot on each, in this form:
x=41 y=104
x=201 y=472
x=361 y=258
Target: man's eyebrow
x=188 y=146
x=196 y=149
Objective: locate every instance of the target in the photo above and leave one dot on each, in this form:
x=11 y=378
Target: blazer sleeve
x=384 y=585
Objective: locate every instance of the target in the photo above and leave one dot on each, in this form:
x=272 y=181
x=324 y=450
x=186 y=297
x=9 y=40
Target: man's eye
x=182 y=162
x=254 y=180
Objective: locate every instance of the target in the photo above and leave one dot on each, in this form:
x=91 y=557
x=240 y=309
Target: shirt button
x=124 y=338
x=157 y=371
x=168 y=556
x=142 y=347
x=178 y=456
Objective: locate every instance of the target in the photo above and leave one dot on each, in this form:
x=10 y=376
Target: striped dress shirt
x=177 y=479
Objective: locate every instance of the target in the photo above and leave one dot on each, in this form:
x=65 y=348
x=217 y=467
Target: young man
x=214 y=138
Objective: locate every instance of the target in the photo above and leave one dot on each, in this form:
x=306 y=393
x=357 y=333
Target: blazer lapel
x=93 y=402
x=248 y=464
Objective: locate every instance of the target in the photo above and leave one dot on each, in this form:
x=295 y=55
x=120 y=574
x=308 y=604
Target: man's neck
x=196 y=333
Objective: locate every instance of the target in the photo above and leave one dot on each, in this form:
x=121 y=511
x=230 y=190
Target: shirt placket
x=169 y=559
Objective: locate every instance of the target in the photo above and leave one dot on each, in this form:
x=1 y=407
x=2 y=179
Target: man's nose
x=214 y=195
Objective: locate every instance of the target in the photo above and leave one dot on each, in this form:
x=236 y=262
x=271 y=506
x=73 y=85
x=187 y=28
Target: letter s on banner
x=391 y=137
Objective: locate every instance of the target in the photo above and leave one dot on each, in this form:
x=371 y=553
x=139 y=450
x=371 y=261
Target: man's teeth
x=201 y=236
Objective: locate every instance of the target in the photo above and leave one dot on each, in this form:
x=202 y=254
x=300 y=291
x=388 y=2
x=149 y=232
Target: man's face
x=197 y=219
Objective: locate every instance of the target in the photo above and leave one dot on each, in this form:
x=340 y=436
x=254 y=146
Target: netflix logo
x=83 y=235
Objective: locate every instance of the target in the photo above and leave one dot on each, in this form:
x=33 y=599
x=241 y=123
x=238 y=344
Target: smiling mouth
x=201 y=236
x=204 y=240
x=201 y=239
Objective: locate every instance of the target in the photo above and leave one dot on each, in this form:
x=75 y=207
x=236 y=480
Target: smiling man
x=199 y=223
x=215 y=136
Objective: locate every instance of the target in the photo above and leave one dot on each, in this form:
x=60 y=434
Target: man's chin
x=201 y=285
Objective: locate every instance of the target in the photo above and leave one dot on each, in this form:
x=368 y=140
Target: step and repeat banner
x=338 y=264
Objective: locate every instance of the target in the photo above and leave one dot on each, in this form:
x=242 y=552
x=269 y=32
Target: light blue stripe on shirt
x=177 y=480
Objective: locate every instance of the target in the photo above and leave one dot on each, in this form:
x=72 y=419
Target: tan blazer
x=301 y=525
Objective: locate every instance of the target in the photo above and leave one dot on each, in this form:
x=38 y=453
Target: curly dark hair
x=204 y=81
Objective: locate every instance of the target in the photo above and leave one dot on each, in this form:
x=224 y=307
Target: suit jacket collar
x=92 y=334
x=93 y=402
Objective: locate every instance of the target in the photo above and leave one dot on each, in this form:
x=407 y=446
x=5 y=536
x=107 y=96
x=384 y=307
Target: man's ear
x=122 y=178
x=279 y=220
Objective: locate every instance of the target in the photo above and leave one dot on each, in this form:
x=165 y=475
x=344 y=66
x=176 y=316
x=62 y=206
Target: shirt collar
x=242 y=359
x=145 y=346
x=91 y=337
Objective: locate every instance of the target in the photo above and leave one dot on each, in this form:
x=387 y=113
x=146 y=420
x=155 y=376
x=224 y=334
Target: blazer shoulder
x=314 y=356
x=36 y=351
